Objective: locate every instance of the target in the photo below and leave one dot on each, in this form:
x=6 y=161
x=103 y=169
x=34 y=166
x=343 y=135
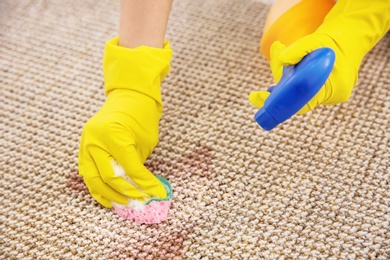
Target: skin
x=143 y=22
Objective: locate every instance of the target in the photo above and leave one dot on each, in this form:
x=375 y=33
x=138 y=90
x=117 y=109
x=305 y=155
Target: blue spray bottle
x=298 y=85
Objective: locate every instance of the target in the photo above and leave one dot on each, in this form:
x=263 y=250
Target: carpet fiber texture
x=315 y=187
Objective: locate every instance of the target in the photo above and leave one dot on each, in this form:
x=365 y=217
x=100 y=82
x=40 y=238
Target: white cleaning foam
x=137 y=204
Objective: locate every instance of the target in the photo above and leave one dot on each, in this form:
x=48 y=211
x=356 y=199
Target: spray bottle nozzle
x=298 y=85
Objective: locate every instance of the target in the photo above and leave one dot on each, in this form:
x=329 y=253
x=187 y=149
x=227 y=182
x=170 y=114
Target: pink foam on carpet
x=153 y=213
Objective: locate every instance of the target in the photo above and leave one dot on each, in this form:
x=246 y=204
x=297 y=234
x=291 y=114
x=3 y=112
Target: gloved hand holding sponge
x=124 y=131
x=351 y=29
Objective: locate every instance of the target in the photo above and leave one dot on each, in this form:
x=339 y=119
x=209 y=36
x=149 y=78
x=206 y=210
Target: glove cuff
x=357 y=26
x=140 y=69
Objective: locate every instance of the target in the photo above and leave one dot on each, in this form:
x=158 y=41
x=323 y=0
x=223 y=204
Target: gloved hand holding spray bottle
x=313 y=66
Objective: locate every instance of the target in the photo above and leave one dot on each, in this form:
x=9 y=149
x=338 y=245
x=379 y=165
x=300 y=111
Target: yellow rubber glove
x=125 y=130
x=352 y=28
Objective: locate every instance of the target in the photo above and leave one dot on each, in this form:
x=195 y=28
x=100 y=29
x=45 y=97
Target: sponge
x=153 y=211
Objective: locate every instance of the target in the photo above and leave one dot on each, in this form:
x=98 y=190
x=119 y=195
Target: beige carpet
x=316 y=187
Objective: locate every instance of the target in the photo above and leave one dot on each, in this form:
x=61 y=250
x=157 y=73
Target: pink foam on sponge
x=153 y=213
